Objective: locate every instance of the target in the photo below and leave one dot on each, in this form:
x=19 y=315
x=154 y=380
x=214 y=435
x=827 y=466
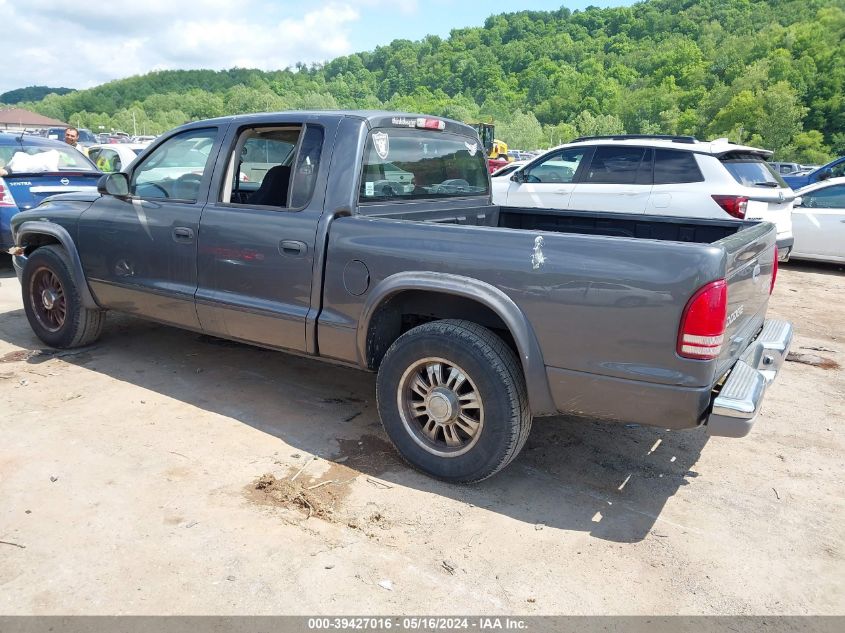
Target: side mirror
x=517 y=176
x=114 y=184
x=798 y=201
x=825 y=174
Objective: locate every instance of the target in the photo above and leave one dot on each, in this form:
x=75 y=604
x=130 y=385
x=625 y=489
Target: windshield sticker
x=404 y=122
x=537 y=258
x=370 y=189
x=382 y=144
x=472 y=148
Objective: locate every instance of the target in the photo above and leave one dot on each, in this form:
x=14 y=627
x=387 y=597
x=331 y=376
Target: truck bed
x=604 y=293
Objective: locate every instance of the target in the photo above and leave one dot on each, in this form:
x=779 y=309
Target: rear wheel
x=52 y=301
x=452 y=399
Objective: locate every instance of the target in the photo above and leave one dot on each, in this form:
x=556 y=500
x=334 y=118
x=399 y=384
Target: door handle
x=293 y=247
x=183 y=234
x=563 y=190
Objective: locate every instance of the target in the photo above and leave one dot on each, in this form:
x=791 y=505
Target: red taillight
x=6 y=199
x=703 y=322
x=431 y=124
x=733 y=205
x=774 y=271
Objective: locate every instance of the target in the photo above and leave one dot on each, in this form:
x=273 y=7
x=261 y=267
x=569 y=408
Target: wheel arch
x=36 y=233
x=378 y=326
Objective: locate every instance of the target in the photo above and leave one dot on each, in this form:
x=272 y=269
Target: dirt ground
x=161 y=471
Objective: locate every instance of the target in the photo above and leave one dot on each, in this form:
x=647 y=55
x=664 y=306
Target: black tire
x=492 y=372
x=48 y=268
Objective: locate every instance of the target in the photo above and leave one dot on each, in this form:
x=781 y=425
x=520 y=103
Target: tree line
x=768 y=73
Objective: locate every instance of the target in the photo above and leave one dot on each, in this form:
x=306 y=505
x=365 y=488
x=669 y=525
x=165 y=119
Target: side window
x=674 y=166
x=560 y=167
x=262 y=173
x=307 y=162
x=94 y=155
x=176 y=168
x=838 y=170
x=615 y=165
x=827 y=198
x=106 y=159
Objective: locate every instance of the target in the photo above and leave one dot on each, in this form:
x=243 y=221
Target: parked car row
x=793 y=169
x=672 y=176
x=87 y=138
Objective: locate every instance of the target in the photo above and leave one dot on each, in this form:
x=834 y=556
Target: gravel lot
x=129 y=476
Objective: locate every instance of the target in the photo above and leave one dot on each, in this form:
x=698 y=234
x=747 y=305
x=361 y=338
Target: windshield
x=416 y=164
x=33 y=159
x=752 y=171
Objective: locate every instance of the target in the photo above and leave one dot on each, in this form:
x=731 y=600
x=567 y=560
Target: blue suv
x=834 y=169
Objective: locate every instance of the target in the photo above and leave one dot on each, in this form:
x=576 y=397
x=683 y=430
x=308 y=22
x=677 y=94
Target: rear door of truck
x=256 y=245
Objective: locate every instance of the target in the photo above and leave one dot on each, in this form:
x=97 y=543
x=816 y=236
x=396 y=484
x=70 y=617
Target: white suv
x=660 y=175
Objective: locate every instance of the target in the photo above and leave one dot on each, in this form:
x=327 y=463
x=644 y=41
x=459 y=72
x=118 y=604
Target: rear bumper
x=731 y=413
x=736 y=407
x=785 y=245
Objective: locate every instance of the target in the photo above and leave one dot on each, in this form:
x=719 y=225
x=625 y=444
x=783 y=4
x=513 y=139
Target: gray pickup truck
x=370 y=239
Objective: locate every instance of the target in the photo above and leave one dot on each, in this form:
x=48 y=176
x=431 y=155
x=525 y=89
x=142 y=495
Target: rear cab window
x=751 y=171
x=416 y=164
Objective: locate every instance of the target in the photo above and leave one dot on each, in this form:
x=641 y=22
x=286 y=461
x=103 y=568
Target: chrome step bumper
x=738 y=403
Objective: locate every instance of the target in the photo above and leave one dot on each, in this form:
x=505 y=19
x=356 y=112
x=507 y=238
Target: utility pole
x=134 y=125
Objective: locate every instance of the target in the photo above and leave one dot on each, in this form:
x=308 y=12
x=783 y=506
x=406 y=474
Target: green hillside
x=769 y=73
x=31 y=93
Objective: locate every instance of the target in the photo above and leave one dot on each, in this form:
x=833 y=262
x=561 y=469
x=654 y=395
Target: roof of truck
x=371 y=116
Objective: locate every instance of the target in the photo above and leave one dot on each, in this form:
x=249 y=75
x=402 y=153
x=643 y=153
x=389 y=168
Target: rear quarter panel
x=600 y=305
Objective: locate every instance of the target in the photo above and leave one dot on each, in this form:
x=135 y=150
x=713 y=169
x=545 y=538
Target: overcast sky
x=80 y=44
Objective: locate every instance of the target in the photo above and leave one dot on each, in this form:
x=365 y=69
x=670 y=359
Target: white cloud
x=78 y=45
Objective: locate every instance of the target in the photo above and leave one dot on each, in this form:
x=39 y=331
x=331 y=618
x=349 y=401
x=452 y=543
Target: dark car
x=834 y=169
x=32 y=168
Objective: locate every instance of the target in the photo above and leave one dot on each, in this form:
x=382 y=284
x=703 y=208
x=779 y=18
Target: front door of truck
x=139 y=253
x=257 y=237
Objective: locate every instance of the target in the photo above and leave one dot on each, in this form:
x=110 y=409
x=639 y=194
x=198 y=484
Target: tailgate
x=749 y=269
x=29 y=190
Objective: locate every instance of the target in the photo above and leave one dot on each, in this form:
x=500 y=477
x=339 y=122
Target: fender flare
x=40 y=227
x=530 y=355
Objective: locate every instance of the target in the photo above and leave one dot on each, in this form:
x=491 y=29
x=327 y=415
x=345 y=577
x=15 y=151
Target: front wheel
x=452 y=399
x=52 y=301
